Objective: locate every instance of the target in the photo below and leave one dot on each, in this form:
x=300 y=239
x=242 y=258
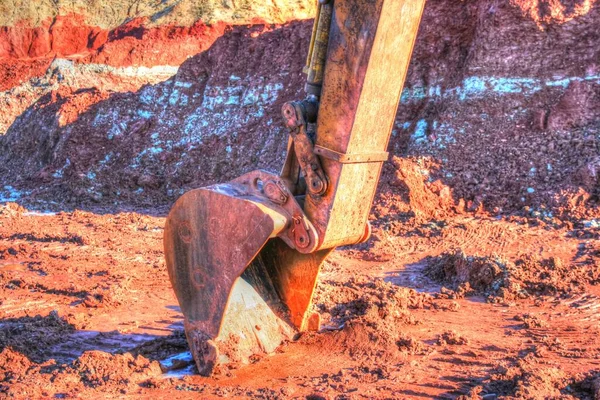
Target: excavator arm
x=243 y=257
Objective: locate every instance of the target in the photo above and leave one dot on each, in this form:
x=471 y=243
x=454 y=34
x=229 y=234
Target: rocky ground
x=480 y=280
x=460 y=305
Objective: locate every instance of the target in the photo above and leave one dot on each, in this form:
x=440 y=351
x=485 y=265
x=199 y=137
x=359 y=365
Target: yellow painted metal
x=370 y=44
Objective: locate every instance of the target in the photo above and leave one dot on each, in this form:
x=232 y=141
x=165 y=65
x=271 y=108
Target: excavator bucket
x=231 y=273
x=243 y=257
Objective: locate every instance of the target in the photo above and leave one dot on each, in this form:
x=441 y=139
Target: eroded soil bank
x=500 y=106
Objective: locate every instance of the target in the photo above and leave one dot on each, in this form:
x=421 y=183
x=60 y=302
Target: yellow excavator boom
x=243 y=257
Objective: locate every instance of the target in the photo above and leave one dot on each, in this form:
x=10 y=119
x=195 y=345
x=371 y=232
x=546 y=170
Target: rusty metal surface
x=294 y=114
x=294 y=277
x=224 y=288
x=207 y=247
x=298 y=232
x=355 y=158
x=318 y=49
x=370 y=44
x=212 y=235
x=244 y=257
x=351 y=39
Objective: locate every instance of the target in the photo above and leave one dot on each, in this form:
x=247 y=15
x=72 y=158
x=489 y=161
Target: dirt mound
x=34 y=336
x=499 y=137
x=507 y=135
x=370 y=313
x=20 y=378
x=528 y=378
x=219 y=107
x=451 y=338
x=114 y=54
x=412 y=346
x=588 y=384
x=113 y=43
x=502 y=280
x=12 y=365
x=462 y=273
x=340 y=302
x=409 y=192
x=531 y=321
x=96 y=368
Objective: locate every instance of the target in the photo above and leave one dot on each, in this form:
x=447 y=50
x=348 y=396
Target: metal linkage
x=296 y=116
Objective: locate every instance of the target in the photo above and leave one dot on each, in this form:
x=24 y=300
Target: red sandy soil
x=131 y=44
x=26 y=50
x=15 y=72
x=446 y=306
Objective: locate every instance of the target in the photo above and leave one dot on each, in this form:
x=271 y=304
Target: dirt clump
x=588 y=385
x=464 y=274
x=531 y=321
x=97 y=368
x=342 y=384
x=340 y=302
x=553 y=276
x=460 y=292
x=410 y=194
x=451 y=338
x=528 y=378
x=503 y=280
x=33 y=336
x=163 y=347
x=369 y=314
x=412 y=346
x=12 y=365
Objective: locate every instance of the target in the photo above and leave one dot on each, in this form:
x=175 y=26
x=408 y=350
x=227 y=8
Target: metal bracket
x=355 y=158
x=299 y=234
